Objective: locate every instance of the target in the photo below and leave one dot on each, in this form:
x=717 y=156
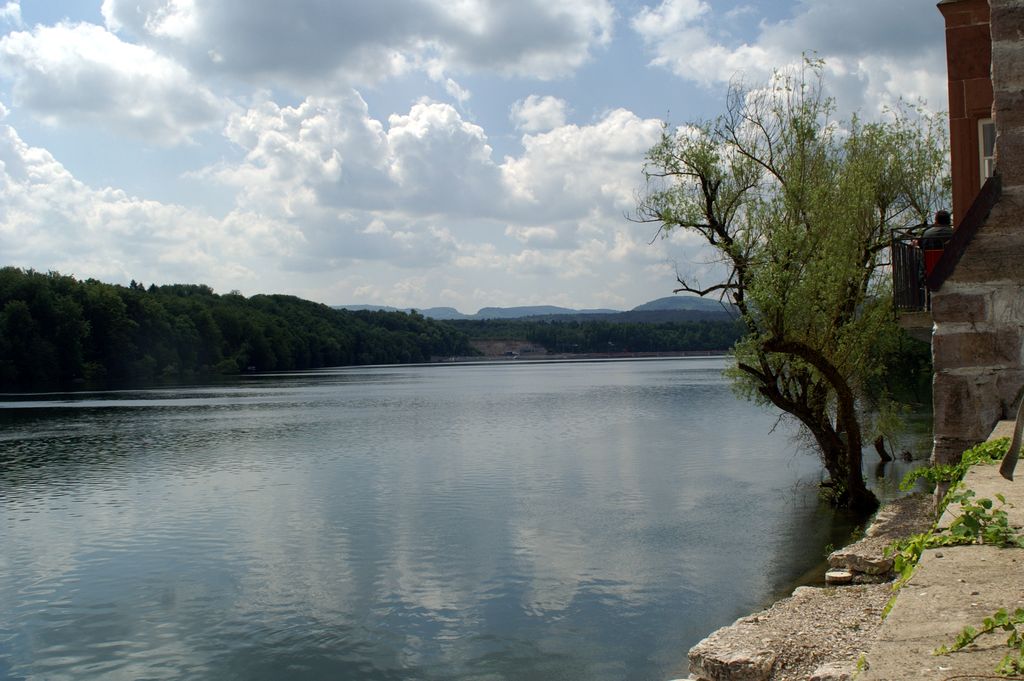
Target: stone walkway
x=952 y=587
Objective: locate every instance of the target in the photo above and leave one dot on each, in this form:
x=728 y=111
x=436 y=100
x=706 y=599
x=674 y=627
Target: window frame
x=986 y=162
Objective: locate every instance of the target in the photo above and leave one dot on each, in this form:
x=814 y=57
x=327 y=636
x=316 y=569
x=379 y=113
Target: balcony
x=910 y=296
x=917 y=273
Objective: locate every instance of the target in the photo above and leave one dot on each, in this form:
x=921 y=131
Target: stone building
x=968 y=64
x=978 y=284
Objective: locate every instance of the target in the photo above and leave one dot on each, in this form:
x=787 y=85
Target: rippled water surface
x=503 y=521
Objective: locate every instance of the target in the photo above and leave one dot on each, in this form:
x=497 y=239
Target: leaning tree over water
x=797 y=208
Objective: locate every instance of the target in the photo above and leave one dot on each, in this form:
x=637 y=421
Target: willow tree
x=798 y=209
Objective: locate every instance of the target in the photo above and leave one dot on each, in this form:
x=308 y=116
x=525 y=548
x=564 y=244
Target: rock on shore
x=818 y=633
x=795 y=637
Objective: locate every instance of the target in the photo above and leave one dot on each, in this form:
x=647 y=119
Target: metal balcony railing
x=909 y=293
x=911 y=284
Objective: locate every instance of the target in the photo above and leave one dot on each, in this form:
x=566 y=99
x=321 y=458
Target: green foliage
x=1001 y=620
x=980 y=521
x=907 y=373
x=977 y=522
x=55 y=329
x=799 y=209
x=984 y=453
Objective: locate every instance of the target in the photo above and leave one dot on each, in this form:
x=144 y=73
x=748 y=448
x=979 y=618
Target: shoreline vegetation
x=57 y=331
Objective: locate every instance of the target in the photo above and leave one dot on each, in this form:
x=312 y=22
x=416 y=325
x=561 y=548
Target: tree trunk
x=883 y=453
x=848 y=455
x=859 y=497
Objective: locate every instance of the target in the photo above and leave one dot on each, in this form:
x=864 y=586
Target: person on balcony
x=934 y=240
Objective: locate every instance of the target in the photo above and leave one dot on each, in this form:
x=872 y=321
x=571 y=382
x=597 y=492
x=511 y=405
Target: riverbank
x=836 y=633
x=817 y=630
x=953 y=588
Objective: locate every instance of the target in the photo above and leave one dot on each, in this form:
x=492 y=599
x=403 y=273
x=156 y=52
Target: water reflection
x=466 y=522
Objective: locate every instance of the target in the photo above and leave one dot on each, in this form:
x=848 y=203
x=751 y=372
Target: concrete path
x=951 y=588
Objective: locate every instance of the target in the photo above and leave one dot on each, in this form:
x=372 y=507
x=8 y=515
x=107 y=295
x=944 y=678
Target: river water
x=575 y=520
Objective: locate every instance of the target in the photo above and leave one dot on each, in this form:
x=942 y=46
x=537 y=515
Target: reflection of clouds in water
x=453 y=515
x=426 y=573
x=292 y=552
x=557 y=568
x=561 y=543
x=177 y=559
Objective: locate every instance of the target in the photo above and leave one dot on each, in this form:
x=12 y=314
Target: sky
x=411 y=153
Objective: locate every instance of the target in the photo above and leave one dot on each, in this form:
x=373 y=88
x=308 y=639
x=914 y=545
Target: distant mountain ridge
x=670 y=308
x=532 y=311
x=680 y=303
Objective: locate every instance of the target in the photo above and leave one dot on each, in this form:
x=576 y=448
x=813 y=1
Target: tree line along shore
x=57 y=330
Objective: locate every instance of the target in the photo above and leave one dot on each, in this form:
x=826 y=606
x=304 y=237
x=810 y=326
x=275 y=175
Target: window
x=987 y=147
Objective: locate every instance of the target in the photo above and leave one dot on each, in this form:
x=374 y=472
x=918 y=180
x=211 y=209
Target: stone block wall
x=978 y=338
x=979 y=362
x=1008 y=88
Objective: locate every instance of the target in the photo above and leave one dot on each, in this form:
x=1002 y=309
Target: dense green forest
x=56 y=329
x=592 y=335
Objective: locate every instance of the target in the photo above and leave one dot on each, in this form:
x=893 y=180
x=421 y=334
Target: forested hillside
x=55 y=329
x=596 y=335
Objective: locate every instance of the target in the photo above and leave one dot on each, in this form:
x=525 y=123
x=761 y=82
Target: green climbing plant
x=978 y=521
x=1001 y=620
x=984 y=453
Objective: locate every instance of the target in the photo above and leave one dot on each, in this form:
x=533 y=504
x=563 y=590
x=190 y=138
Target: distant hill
x=669 y=309
x=532 y=311
x=680 y=303
x=442 y=313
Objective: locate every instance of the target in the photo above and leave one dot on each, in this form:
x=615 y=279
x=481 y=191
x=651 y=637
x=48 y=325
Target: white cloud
x=845 y=29
x=10 y=13
x=322 y=151
x=456 y=91
x=309 y=42
x=678 y=31
x=82 y=74
x=355 y=189
x=539 y=114
x=441 y=163
x=533 y=235
x=424 y=201
x=741 y=11
x=175 y=19
x=423 y=189
x=569 y=170
x=330 y=153
x=669 y=18
x=876 y=51
x=50 y=220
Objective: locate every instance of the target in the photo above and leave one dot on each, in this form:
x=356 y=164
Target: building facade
x=968 y=64
x=978 y=285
